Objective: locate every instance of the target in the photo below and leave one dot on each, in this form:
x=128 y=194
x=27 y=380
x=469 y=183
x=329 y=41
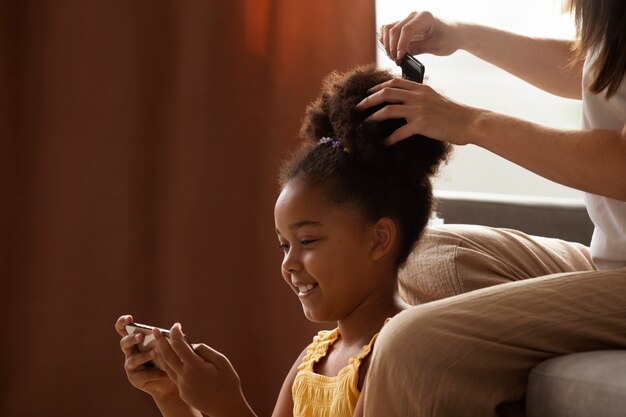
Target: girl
x=349 y=213
x=490 y=339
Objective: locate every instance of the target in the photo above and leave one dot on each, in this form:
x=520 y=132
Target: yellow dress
x=316 y=395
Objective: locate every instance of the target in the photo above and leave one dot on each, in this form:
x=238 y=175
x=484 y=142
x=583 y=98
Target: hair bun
x=334 y=115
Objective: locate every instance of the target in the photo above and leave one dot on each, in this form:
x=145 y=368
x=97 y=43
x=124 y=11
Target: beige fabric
x=454 y=259
x=469 y=354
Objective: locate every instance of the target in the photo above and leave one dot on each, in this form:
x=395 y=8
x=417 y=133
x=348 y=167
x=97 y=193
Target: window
x=469 y=80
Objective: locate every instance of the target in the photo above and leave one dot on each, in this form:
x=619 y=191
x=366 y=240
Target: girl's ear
x=384 y=236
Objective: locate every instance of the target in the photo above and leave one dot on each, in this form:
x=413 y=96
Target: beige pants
x=469 y=352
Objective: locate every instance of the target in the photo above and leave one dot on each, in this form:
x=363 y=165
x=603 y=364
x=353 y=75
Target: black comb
x=412 y=69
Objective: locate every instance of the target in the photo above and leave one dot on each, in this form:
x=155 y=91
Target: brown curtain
x=139 y=142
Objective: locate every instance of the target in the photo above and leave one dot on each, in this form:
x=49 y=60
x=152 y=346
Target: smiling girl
x=349 y=213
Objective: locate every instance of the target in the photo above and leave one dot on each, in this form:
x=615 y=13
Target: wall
x=469 y=80
x=139 y=142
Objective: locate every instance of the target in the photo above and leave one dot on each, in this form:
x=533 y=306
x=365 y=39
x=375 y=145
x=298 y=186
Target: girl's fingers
x=149 y=375
x=128 y=343
x=138 y=360
x=167 y=368
x=165 y=351
x=213 y=356
x=181 y=347
x=120 y=324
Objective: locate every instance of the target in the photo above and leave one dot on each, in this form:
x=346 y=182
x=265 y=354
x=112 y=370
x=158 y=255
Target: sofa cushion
x=579 y=385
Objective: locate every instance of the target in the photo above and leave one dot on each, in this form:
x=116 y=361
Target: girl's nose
x=290 y=262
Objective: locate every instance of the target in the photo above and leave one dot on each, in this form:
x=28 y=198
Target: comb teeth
x=380 y=45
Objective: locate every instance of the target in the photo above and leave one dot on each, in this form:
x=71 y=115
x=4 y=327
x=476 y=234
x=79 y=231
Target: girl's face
x=327 y=248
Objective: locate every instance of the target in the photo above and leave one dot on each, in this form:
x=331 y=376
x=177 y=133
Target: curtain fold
x=139 y=147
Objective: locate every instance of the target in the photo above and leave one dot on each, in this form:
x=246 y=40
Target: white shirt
x=608 y=243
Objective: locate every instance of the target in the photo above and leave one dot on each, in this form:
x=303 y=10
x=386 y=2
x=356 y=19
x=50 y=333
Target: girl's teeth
x=305 y=288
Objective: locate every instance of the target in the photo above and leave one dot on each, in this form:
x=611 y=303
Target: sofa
x=585 y=384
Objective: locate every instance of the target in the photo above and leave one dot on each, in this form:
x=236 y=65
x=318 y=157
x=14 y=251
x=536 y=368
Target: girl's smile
x=304 y=290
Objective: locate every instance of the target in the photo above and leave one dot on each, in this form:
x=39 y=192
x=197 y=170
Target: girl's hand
x=420 y=33
x=426 y=111
x=205 y=378
x=150 y=380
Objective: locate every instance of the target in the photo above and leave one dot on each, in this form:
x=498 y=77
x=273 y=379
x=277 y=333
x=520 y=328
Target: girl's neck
x=368 y=318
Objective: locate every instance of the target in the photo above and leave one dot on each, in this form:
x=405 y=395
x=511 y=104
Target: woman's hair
x=348 y=156
x=601 y=24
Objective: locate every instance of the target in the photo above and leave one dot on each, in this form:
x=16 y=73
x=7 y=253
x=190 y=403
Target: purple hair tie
x=334 y=143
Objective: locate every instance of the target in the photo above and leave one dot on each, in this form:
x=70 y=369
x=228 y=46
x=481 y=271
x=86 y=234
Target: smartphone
x=148 y=341
x=412 y=68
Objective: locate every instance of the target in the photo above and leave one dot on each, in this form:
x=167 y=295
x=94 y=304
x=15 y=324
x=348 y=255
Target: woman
x=470 y=355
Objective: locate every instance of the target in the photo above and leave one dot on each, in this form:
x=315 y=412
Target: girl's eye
x=305 y=242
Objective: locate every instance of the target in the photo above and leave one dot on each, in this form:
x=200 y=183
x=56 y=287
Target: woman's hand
x=151 y=380
x=426 y=111
x=420 y=33
x=205 y=378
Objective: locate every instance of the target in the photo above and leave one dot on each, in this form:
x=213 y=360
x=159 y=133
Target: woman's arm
x=544 y=63
x=588 y=160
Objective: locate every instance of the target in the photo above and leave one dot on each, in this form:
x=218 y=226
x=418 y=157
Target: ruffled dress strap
x=318 y=348
x=367 y=349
